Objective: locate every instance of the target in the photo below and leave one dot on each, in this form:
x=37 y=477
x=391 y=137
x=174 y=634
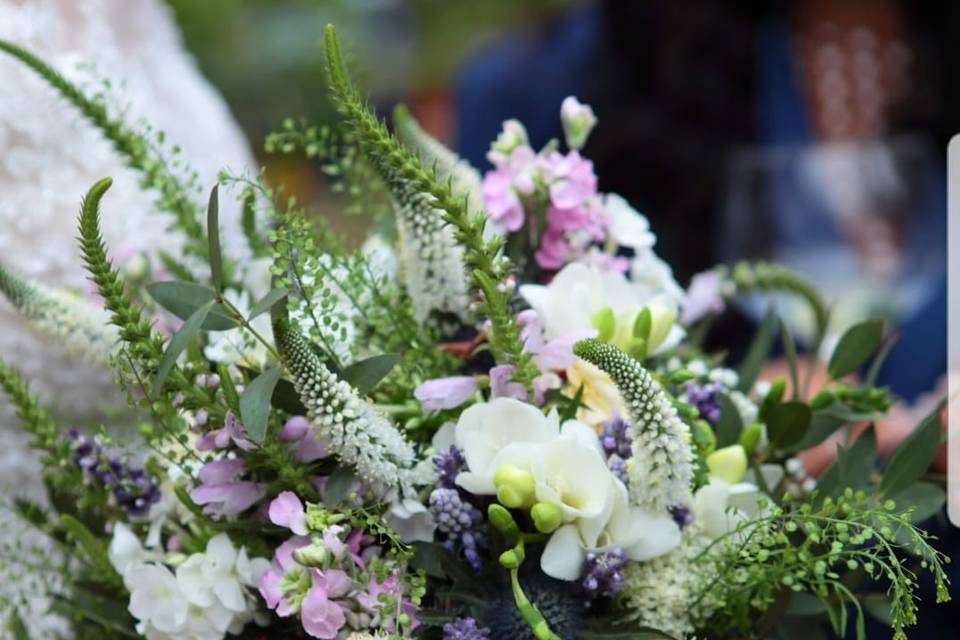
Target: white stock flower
x=628 y=227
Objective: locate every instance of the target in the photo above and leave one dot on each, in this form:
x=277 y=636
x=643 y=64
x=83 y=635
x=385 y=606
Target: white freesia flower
x=499 y=432
x=732 y=495
x=641 y=534
x=125 y=549
x=220 y=574
x=628 y=227
x=156 y=599
x=580 y=291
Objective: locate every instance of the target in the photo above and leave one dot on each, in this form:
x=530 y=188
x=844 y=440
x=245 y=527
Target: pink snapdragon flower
x=308 y=445
x=222 y=493
x=230 y=433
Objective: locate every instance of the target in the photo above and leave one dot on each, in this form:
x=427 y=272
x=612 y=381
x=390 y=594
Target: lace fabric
x=49 y=157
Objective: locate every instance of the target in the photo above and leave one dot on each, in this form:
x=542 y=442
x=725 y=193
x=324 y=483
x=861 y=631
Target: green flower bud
x=728 y=464
x=605 y=323
x=777 y=389
x=516 y=487
x=682 y=375
x=638 y=348
x=512 y=558
x=704 y=437
x=750 y=437
x=643 y=324
x=313 y=555
x=547 y=517
x=501 y=519
x=661 y=321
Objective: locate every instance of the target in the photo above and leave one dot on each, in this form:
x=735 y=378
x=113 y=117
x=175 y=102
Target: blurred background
x=809 y=133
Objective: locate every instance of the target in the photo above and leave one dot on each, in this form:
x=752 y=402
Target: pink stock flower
x=286 y=510
x=320 y=615
x=271 y=581
x=554 y=251
x=445 y=393
x=221 y=492
x=704 y=295
x=502 y=204
x=573 y=179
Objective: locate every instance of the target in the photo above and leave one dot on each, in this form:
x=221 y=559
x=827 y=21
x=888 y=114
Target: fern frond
x=355 y=432
x=403 y=172
x=140 y=155
x=82 y=327
x=661 y=468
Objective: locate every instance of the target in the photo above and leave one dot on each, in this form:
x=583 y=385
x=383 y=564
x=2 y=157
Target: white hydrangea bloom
x=661 y=468
x=352 y=428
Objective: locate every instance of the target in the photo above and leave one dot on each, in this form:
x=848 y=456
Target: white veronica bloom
x=498 y=432
x=642 y=535
x=628 y=227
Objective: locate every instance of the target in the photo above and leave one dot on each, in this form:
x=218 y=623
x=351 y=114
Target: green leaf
x=182 y=299
x=926 y=499
x=285 y=397
x=912 y=458
x=187 y=332
x=805 y=604
x=338 y=486
x=93 y=549
x=790 y=352
x=255 y=403
x=787 y=423
x=878 y=606
x=855 y=347
x=826 y=421
x=851 y=468
x=730 y=425
x=426 y=558
x=213 y=239
x=757 y=353
x=266 y=302
x=18 y=630
x=365 y=375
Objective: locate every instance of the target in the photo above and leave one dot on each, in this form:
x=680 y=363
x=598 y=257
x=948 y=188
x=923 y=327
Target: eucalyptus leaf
x=338 y=486
x=266 y=302
x=213 y=239
x=182 y=299
x=912 y=458
x=926 y=499
x=366 y=374
x=787 y=423
x=178 y=343
x=757 y=353
x=878 y=361
x=255 y=403
x=285 y=397
x=730 y=425
x=855 y=347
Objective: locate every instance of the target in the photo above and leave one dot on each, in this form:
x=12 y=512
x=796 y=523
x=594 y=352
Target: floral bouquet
x=495 y=420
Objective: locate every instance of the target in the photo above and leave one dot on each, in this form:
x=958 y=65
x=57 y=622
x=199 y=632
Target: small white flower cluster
x=83 y=328
x=661 y=467
x=335 y=325
x=431 y=260
x=355 y=432
x=664 y=593
x=207 y=597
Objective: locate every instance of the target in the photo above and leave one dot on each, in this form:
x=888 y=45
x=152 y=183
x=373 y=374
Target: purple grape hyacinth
x=465 y=629
x=706 y=398
x=603 y=572
x=615 y=438
x=461 y=522
x=131 y=487
x=449 y=464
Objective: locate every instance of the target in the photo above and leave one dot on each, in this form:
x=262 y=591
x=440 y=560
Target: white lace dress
x=50 y=156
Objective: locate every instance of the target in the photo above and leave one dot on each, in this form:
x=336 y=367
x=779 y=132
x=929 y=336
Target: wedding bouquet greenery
x=493 y=420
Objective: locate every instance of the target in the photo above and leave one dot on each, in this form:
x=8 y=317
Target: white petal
x=125 y=548
x=584 y=434
x=445 y=437
x=660 y=535
x=477 y=484
x=576 y=474
x=563 y=556
x=229 y=593
x=192 y=582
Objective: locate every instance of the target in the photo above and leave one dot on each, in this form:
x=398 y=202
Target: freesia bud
x=604 y=322
x=661 y=321
x=578 y=121
x=515 y=487
x=750 y=436
x=501 y=519
x=547 y=517
x=728 y=464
